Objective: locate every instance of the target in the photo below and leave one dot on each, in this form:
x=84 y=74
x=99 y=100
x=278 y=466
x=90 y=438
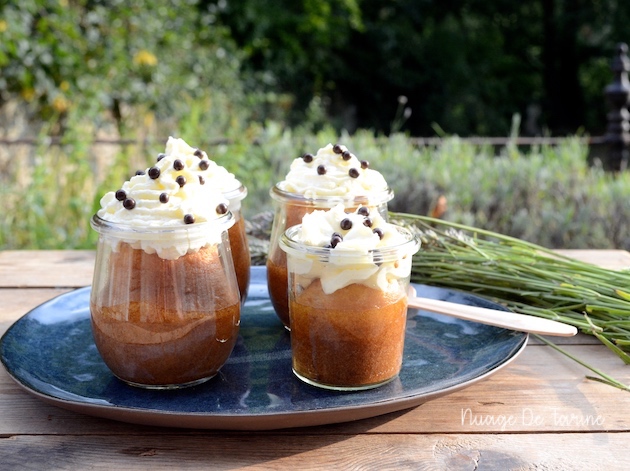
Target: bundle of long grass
x=526 y=278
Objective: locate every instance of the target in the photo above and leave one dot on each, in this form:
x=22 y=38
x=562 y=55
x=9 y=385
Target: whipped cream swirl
x=341 y=249
x=182 y=189
x=333 y=171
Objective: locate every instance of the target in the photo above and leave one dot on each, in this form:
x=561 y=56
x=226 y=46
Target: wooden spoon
x=506 y=319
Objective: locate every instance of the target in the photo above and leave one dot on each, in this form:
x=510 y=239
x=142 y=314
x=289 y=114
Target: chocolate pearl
x=308 y=158
x=321 y=170
x=204 y=164
x=363 y=211
x=178 y=165
x=222 y=208
x=189 y=219
x=379 y=232
x=367 y=222
x=202 y=180
x=353 y=172
x=365 y=164
x=121 y=195
x=199 y=153
x=346 y=155
x=337 y=149
x=164 y=198
x=154 y=173
x=346 y=224
x=335 y=239
x=139 y=172
x=161 y=155
x=129 y=203
x=181 y=180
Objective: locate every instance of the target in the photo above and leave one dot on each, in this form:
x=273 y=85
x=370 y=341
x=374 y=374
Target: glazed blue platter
x=50 y=353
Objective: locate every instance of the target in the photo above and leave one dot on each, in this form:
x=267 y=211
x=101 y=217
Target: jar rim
x=374 y=198
x=123 y=230
x=237 y=193
x=390 y=253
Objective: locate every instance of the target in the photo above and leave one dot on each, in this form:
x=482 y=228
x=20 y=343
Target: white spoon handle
x=495 y=317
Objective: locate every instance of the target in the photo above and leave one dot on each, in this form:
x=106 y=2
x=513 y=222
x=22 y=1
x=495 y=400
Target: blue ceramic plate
x=50 y=353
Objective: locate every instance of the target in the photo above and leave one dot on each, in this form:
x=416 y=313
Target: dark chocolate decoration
x=321 y=170
x=365 y=164
x=121 y=195
x=346 y=224
x=154 y=173
x=308 y=158
x=335 y=239
x=161 y=155
x=204 y=164
x=199 y=153
x=181 y=180
x=363 y=211
x=189 y=219
x=202 y=180
x=337 y=149
x=178 y=165
x=346 y=155
x=164 y=198
x=353 y=172
x=379 y=232
x=367 y=222
x=222 y=208
x=140 y=172
x=129 y=203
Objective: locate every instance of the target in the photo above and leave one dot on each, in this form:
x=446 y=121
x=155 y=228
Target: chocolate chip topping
x=335 y=239
x=154 y=173
x=308 y=158
x=189 y=219
x=367 y=222
x=202 y=181
x=365 y=164
x=121 y=195
x=222 y=208
x=199 y=153
x=353 y=172
x=204 y=164
x=139 y=172
x=346 y=155
x=346 y=224
x=181 y=180
x=161 y=155
x=379 y=232
x=321 y=170
x=337 y=149
x=363 y=211
x=178 y=165
x=129 y=203
x=164 y=198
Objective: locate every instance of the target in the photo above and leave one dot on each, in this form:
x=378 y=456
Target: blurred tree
x=107 y=58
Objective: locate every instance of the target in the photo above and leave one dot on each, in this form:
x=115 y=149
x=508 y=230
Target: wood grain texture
x=577 y=452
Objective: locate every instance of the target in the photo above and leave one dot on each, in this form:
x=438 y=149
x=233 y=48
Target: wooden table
x=539 y=412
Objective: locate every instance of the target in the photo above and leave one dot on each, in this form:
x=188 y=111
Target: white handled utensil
x=506 y=319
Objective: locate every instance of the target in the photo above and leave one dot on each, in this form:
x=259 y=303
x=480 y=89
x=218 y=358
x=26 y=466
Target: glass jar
x=290 y=208
x=238 y=240
x=164 y=304
x=348 y=335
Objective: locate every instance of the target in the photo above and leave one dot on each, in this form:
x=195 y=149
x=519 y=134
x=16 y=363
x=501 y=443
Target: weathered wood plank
x=578 y=452
x=46 y=268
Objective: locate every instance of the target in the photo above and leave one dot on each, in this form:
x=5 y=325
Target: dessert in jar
x=165 y=304
x=218 y=177
x=314 y=182
x=348 y=280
